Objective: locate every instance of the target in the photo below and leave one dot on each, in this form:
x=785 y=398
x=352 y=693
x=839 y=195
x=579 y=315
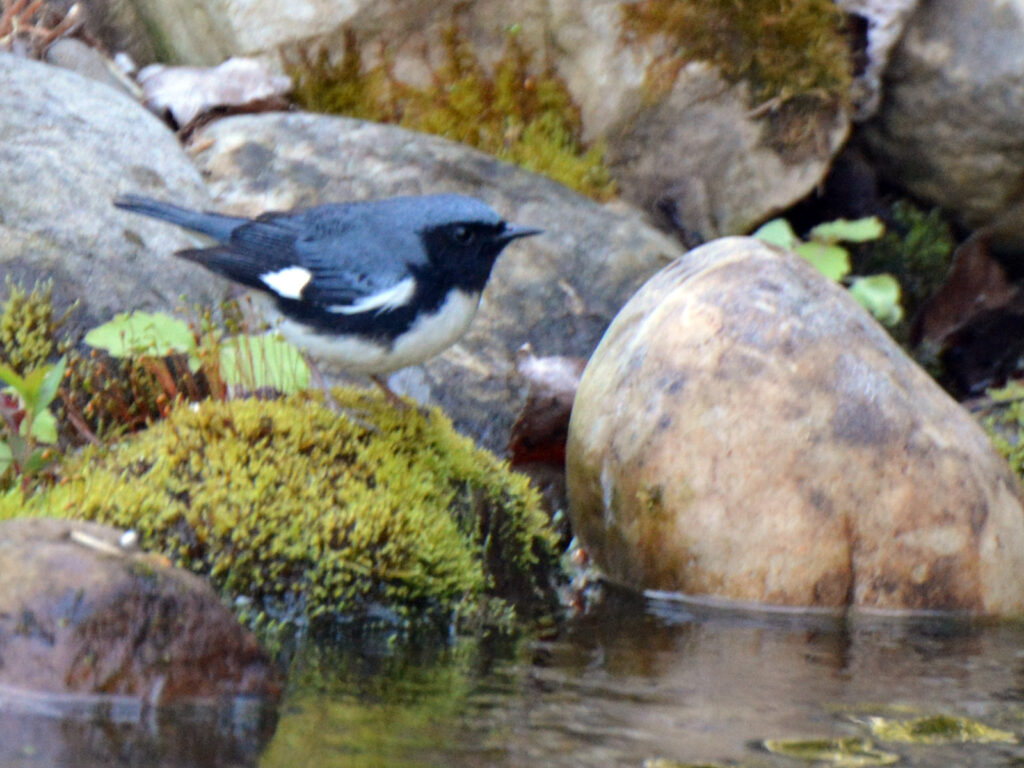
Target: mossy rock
x=308 y=515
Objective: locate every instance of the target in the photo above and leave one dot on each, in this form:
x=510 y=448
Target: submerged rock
x=81 y=614
x=746 y=430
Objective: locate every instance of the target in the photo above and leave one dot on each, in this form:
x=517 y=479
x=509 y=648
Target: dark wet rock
x=68 y=145
x=745 y=430
x=557 y=291
x=79 y=614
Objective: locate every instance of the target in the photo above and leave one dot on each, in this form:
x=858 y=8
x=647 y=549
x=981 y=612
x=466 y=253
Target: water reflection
x=80 y=731
x=638 y=679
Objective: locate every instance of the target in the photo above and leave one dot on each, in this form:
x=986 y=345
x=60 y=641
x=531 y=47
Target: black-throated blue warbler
x=369 y=286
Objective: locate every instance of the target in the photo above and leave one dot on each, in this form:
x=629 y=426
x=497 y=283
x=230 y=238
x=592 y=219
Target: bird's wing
x=323 y=256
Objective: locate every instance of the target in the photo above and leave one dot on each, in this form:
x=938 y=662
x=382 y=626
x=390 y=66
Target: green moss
x=793 y=54
x=917 y=248
x=938 y=729
x=850 y=751
x=785 y=49
x=516 y=113
x=1005 y=424
x=309 y=516
x=28 y=326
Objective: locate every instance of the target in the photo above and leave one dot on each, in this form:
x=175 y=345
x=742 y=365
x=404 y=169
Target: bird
x=368 y=286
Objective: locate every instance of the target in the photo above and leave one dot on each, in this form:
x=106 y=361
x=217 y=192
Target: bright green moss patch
x=516 y=112
x=310 y=516
x=937 y=729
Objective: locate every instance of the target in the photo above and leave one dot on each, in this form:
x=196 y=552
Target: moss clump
x=309 y=516
x=850 y=751
x=793 y=54
x=1005 y=424
x=785 y=49
x=938 y=729
x=515 y=113
x=28 y=326
x=917 y=248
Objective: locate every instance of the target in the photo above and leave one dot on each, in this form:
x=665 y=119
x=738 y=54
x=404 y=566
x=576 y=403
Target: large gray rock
x=951 y=127
x=68 y=145
x=746 y=430
x=558 y=291
x=700 y=152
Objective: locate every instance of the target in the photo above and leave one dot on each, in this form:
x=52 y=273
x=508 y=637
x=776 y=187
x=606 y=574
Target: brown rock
x=746 y=430
x=79 y=614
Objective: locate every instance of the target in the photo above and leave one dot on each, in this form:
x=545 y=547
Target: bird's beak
x=512 y=232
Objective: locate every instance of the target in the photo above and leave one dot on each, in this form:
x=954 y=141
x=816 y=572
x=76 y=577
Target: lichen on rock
x=307 y=515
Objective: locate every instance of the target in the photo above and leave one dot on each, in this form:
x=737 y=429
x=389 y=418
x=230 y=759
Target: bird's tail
x=215 y=225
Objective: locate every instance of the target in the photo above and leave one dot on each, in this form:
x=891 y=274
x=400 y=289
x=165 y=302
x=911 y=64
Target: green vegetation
x=1005 y=424
x=29 y=327
x=917 y=249
x=28 y=348
x=938 y=729
x=299 y=513
x=879 y=294
x=27 y=427
x=787 y=50
x=515 y=113
x=850 y=751
x=309 y=515
x=244 y=361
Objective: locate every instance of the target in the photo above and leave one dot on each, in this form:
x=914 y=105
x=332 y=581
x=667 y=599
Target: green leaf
x=845 y=230
x=10 y=377
x=778 y=232
x=833 y=261
x=36 y=462
x=143 y=333
x=263 y=362
x=17 y=445
x=879 y=295
x=32 y=384
x=50 y=383
x=6 y=457
x=44 y=427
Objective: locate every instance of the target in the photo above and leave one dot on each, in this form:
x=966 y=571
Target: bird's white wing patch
x=394 y=297
x=288 y=282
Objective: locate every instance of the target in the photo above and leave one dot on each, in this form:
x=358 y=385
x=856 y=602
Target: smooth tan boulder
x=745 y=430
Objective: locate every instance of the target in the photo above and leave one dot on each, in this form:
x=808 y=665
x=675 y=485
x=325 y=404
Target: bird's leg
x=394 y=399
x=318 y=380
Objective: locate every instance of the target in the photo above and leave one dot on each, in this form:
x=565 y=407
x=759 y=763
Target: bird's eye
x=462 y=235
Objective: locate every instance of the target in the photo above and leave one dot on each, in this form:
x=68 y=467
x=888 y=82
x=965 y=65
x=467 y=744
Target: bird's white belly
x=430 y=335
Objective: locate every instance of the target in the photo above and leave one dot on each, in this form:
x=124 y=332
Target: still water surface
x=637 y=680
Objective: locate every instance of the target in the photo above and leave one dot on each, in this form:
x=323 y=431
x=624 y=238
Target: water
x=635 y=681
